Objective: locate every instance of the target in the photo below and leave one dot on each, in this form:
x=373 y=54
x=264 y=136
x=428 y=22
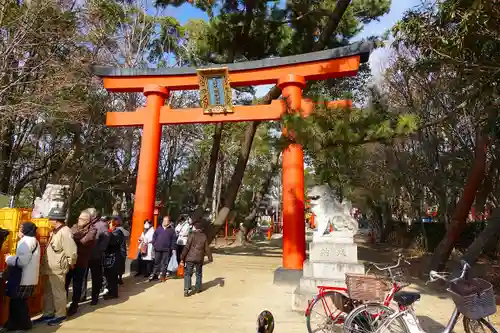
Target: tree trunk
x=234 y=184
x=490 y=233
x=169 y=172
x=117 y=203
x=217 y=177
x=462 y=209
x=73 y=155
x=487 y=187
x=249 y=221
x=385 y=221
x=70 y=199
x=219 y=185
x=212 y=168
x=331 y=25
x=6 y=142
x=130 y=206
x=242 y=234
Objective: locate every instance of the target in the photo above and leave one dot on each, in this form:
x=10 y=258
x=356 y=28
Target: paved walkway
x=238 y=286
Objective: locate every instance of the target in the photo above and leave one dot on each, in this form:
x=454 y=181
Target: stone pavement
x=238 y=286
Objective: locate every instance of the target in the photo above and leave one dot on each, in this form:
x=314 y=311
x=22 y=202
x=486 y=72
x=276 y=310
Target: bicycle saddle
x=406 y=298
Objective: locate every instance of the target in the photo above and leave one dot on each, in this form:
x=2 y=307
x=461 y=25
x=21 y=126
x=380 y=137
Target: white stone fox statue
x=328 y=211
x=54 y=196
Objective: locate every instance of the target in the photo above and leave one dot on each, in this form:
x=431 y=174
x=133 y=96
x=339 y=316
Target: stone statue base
x=330 y=257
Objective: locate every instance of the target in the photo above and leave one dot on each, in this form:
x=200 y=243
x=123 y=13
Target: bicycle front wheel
x=478 y=326
x=324 y=314
x=367 y=318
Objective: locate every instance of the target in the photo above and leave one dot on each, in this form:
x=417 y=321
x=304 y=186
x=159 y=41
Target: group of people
x=186 y=241
x=96 y=244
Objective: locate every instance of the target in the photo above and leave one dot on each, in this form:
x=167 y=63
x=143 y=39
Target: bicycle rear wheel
x=367 y=318
x=478 y=326
x=325 y=313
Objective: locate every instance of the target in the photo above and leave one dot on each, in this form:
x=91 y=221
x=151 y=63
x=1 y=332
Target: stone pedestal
x=330 y=257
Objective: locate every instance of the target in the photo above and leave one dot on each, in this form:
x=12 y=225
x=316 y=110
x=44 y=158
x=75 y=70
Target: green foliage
x=460 y=37
x=329 y=136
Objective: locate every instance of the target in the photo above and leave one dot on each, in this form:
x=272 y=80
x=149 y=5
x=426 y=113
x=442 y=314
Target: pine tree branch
x=366 y=140
x=331 y=25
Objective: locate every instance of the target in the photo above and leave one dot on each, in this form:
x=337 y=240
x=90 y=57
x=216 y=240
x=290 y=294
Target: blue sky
x=398 y=7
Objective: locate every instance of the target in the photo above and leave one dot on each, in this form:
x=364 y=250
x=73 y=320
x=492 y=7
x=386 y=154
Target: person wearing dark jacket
x=164 y=241
x=96 y=257
x=113 y=259
x=84 y=234
x=123 y=258
x=192 y=257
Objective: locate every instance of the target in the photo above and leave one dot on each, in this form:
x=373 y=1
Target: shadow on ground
x=220 y=281
x=131 y=287
x=272 y=248
x=430 y=325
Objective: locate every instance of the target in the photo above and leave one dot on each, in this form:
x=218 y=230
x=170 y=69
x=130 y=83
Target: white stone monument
x=331 y=255
x=54 y=196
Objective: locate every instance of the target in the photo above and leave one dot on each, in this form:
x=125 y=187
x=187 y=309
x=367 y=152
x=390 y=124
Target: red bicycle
x=331 y=305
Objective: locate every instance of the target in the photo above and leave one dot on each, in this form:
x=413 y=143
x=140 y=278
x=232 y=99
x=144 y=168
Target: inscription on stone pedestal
x=331 y=252
x=341 y=253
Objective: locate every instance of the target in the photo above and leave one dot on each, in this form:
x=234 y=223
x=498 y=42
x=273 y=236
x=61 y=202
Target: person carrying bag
x=172 y=264
x=14 y=275
x=22 y=277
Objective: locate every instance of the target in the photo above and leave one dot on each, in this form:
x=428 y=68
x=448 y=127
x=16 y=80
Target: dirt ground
x=238 y=286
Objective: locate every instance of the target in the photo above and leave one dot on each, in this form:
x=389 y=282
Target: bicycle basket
x=474 y=298
x=366 y=287
x=400 y=276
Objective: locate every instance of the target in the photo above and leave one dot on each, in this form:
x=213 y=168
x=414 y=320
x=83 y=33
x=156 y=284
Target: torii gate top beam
x=338 y=62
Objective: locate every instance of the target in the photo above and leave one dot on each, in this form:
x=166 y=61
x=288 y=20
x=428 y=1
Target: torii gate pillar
x=147 y=173
x=294 y=238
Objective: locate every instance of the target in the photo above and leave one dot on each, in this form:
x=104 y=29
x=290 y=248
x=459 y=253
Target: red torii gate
x=289 y=73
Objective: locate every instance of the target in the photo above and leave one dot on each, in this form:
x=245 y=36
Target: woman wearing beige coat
x=60 y=257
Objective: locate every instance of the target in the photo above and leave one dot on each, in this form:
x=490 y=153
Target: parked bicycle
x=330 y=307
x=474 y=299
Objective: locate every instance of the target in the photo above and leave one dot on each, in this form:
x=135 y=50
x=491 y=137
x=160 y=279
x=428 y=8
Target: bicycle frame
x=409 y=310
x=339 y=318
x=322 y=291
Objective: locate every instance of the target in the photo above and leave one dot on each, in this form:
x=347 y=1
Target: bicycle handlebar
x=401 y=258
x=434 y=276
